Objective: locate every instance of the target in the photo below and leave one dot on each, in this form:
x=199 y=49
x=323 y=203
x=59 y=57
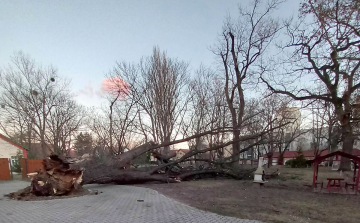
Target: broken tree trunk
x=56 y=178
x=102 y=174
x=163 y=158
x=125 y=159
x=117 y=170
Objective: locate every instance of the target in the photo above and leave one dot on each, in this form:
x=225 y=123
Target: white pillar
x=258 y=175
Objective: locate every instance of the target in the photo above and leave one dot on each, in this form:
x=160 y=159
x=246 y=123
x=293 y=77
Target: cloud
x=88 y=90
x=90 y=95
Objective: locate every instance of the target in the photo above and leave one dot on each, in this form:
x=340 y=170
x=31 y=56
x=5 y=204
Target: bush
x=298 y=162
x=16 y=166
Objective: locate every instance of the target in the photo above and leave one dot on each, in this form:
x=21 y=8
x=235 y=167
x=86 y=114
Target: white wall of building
x=7 y=150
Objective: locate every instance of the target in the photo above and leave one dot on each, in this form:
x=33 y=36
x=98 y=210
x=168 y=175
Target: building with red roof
x=9 y=148
x=308 y=154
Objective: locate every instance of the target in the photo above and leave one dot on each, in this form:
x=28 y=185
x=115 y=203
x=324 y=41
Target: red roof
x=307 y=153
x=14 y=144
x=356 y=152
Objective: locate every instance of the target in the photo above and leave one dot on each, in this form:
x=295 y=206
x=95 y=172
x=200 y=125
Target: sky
x=83 y=39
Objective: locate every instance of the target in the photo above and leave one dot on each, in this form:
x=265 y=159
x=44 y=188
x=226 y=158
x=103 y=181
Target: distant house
x=180 y=153
x=9 y=149
x=308 y=154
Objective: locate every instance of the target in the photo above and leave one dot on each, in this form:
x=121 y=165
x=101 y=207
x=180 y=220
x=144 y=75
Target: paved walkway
x=115 y=204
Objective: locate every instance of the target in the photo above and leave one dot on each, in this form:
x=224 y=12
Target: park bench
x=351 y=185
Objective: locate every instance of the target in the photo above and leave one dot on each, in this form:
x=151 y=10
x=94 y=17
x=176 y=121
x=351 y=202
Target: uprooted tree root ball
x=56 y=178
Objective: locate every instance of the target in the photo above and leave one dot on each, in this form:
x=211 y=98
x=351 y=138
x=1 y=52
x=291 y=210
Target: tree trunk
x=280 y=160
x=347 y=147
x=348 y=143
x=124 y=160
x=236 y=148
x=270 y=160
x=43 y=148
x=111 y=127
x=101 y=174
x=166 y=151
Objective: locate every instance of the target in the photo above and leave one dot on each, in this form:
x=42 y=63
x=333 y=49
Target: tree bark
x=347 y=135
x=236 y=148
x=270 y=159
x=347 y=147
x=124 y=160
x=280 y=160
x=101 y=174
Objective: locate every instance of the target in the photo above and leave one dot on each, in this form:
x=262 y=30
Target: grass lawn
x=287 y=198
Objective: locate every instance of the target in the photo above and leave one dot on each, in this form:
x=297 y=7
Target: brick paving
x=115 y=204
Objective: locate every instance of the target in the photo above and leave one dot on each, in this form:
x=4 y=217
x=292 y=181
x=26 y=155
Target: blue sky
x=84 y=39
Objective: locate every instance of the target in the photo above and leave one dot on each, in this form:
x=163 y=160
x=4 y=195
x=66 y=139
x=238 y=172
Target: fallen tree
x=64 y=176
x=115 y=171
x=102 y=174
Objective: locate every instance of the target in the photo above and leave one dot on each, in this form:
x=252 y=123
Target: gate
x=5 y=169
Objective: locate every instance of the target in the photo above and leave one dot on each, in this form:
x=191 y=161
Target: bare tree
x=326 y=49
x=255 y=120
x=29 y=93
x=275 y=111
x=158 y=85
x=241 y=46
x=63 y=123
x=125 y=110
x=325 y=127
x=283 y=138
x=115 y=128
x=206 y=111
x=318 y=127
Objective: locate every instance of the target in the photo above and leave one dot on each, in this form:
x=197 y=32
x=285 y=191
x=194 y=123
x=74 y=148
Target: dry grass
x=288 y=198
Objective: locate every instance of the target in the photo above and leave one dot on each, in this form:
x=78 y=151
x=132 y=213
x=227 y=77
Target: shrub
x=16 y=166
x=298 y=162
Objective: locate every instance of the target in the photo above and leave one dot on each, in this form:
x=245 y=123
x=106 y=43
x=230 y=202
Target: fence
x=5 y=173
x=30 y=166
